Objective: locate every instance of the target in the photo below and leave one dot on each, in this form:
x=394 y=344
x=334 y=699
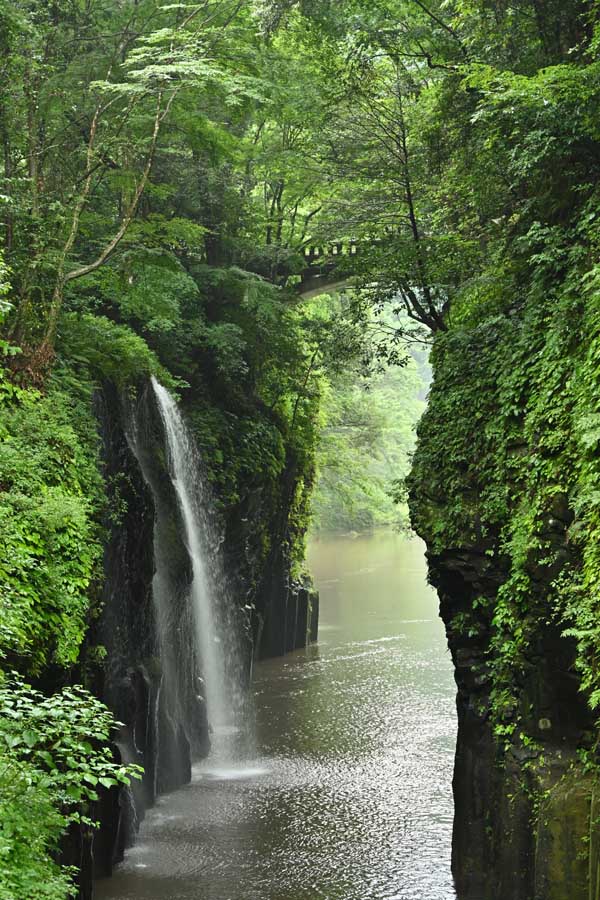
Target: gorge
x=287 y=287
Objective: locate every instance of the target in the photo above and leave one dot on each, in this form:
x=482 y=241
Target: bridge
x=324 y=269
x=328 y=270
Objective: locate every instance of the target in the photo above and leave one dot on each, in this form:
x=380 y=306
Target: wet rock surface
x=522 y=811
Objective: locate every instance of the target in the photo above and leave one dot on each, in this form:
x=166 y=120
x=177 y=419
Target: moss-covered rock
x=502 y=491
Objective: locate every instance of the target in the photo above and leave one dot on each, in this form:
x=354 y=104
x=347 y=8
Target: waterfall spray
x=216 y=629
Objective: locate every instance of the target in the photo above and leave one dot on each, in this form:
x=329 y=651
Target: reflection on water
x=350 y=798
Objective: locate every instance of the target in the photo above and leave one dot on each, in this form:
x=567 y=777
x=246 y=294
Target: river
x=349 y=797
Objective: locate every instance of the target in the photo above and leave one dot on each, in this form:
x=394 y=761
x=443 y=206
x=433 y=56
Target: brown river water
x=349 y=796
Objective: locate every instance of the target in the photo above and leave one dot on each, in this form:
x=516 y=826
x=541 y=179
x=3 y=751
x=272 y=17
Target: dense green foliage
x=506 y=462
x=365 y=448
x=49 y=505
x=54 y=750
x=54 y=756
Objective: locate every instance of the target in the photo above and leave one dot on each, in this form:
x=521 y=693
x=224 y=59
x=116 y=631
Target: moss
x=563 y=822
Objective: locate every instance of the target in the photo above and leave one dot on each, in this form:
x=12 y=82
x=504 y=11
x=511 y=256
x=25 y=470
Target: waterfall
x=215 y=625
x=177 y=726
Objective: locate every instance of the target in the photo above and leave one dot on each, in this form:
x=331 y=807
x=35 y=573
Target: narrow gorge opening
x=355 y=733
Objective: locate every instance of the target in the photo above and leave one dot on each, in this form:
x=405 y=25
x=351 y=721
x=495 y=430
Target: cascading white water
x=176 y=724
x=216 y=630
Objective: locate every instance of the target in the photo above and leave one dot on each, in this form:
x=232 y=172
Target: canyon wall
x=504 y=493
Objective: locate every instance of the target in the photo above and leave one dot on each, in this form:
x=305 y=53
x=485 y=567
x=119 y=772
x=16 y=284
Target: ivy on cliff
x=505 y=465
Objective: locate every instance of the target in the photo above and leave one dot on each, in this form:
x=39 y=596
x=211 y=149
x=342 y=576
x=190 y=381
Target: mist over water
x=349 y=797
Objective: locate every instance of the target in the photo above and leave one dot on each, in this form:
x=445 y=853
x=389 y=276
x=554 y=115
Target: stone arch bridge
x=325 y=268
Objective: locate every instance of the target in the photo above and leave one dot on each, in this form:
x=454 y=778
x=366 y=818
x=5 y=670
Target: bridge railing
x=320 y=254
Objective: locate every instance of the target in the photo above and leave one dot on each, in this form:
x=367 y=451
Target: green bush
x=104 y=349
x=50 y=498
x=54 y=757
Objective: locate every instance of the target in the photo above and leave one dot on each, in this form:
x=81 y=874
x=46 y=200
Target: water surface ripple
x=350 y=796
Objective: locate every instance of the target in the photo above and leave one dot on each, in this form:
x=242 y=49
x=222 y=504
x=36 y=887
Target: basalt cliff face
x=502 y=492
x=522 y=802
